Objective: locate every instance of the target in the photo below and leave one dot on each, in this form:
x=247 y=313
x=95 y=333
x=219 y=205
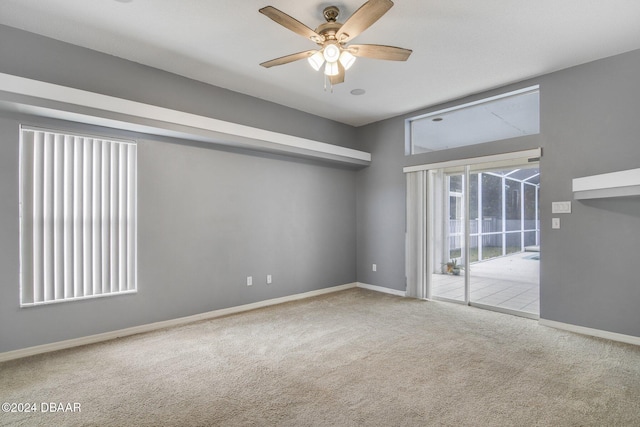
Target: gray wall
x=589 y=125
x=208 y=216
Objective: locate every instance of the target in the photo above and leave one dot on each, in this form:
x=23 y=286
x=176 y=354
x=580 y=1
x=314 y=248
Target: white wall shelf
x=615 y=184
x=44 y=99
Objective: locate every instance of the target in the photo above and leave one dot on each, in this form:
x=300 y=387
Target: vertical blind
x=416 y=235
x=77 y=217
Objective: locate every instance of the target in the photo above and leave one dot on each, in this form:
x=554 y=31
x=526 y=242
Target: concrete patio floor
x=511 y=282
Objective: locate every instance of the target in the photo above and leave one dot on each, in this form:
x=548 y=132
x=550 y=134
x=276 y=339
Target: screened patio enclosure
x=503 y=213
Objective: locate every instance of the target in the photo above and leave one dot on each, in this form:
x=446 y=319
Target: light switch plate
x=555 y=223
x=561 y=207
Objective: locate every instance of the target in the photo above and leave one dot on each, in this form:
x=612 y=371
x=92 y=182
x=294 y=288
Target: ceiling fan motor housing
x=329 y=29
x=331 y=13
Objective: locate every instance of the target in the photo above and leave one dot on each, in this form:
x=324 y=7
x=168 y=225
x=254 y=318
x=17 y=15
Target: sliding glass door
x=505 y=239
x=485 y=236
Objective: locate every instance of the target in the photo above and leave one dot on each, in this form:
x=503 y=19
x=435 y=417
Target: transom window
x=505 y=116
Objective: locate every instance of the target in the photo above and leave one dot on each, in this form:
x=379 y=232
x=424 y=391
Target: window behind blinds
x=77 y=217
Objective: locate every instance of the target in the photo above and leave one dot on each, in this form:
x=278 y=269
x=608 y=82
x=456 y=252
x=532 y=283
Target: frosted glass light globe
x=331 y=53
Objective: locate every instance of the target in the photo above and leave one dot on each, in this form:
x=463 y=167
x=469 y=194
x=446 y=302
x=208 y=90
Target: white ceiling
x=459 y=47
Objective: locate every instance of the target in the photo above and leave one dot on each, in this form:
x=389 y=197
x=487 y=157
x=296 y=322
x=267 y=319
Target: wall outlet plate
x=555 y=223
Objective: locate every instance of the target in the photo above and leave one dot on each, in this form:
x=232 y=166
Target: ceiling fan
x=332 y=37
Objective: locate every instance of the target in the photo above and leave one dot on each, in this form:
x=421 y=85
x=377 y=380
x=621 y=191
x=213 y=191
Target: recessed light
x=437 y=119
x=358 y=92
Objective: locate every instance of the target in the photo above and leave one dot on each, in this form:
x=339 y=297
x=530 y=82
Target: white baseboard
x=381 y=289
x=614 y=336
x=92 y=339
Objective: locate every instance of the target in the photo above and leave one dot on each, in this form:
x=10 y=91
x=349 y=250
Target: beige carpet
x=353 y=358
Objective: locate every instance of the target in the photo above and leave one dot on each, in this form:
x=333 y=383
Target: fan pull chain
x=328 y=79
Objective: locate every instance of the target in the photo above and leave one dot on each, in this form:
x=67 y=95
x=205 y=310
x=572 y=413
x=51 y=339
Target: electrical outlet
x=374 y=267
x=268 y=279
x=249 y=280
x=555 y=223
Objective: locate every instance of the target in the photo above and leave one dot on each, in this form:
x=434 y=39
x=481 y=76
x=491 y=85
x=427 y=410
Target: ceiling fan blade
x=288 y=58
x=378 y=51
x=338 y=78
x=291 y=23
x=363 y=18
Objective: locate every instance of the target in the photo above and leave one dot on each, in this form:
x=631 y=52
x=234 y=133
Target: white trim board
x=614 y=184
x=92 y=339
x=60 y=102
x=533 y=153
x=613 y=336
x=381 y=289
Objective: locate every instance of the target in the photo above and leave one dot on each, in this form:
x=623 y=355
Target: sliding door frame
x=436 y=200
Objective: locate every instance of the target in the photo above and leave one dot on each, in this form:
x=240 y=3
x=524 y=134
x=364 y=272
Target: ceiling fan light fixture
x=331 y=69
x=347 y=59
x=316 y=60
x=331 y=53
x=331 y=37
